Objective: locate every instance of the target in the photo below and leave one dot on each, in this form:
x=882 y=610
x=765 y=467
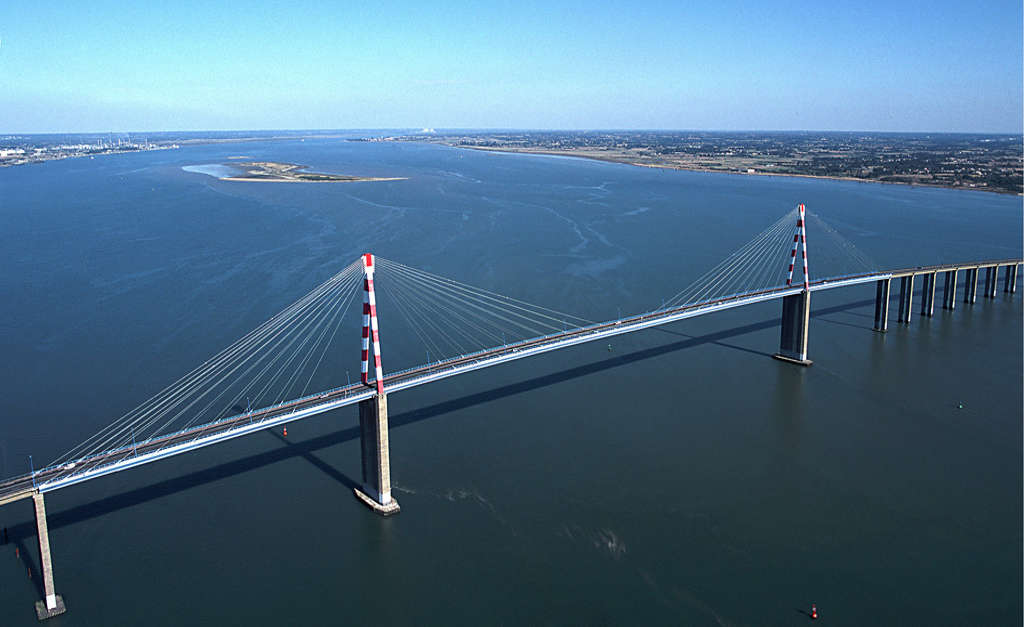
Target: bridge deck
x=897 y=274
x=56 y=477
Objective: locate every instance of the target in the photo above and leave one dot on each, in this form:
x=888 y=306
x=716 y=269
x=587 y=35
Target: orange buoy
x=814 y=611
x=17 y=552
x=285 y=432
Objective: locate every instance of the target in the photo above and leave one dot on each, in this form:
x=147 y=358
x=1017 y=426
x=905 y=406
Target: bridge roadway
x=64 y=475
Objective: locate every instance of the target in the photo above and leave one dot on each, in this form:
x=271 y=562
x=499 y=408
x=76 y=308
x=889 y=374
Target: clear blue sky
x=867 y=65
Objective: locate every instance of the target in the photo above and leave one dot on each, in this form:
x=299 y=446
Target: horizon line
x=423 y=130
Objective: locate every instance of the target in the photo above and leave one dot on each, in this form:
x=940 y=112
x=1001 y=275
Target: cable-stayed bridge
x=262 y=380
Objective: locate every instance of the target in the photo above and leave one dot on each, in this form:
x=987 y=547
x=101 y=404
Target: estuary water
x=679 y=476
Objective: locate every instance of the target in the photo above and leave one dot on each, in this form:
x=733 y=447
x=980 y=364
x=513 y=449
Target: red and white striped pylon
x=799 y=238
x=370 y=325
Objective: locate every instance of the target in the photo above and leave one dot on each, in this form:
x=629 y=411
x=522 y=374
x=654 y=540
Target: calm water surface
x=682 y=478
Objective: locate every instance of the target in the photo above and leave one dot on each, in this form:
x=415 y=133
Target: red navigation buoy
x=285 y=432
x=17 y=553
x=814 y=611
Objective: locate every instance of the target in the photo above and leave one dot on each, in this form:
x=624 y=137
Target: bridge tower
x=52 y=603
x=373 y=412
x=796 y=308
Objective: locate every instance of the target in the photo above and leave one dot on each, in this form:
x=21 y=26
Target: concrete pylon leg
x=376 y=453
x=991 y=280
x=924 y=294
x=906 y=299
x=882 y=305
x=52 y=603
x=949 y=291
x=971 y=286
x=928 y=295
x=1010 y=280
x=796 y=317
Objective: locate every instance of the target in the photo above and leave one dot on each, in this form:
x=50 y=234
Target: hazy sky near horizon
x=868 y=65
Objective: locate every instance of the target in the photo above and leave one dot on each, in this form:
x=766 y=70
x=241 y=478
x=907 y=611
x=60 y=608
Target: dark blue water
x=683 y=478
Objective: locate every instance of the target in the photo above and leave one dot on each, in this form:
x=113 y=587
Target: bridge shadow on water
x=306 y=448
x=28 y=562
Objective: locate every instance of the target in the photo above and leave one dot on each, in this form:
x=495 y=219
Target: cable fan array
x=279 y=359
x=834 y=254
x=275 y=361
x=450 y=318
x=763 y=262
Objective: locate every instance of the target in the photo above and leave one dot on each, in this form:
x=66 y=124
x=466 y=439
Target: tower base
x=390 y=509
x=792 y=360
x=42 y=613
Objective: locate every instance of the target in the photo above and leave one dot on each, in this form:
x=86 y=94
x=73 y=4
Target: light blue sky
x=867 y=65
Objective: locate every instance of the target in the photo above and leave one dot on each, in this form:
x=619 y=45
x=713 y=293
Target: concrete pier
x=52 y=603
x=949 y=291
x=882 y=305
x=906 y=299
x=971 y=286
x=991 y=280
x=796 y=318
x=928 y=295
x=1010 y=281
x=373 y=428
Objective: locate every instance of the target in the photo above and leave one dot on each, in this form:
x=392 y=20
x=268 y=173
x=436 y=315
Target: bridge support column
x=928 y=295
x=991 y=279
x=906 y=299
x=52 y=603
x=882 y=305
x=971 y=286
x=796 y=317
x=949 y=291
x=373 y=429
x=1010 y=282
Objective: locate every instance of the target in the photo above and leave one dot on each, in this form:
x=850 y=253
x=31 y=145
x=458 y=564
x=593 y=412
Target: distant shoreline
x=624 y=161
